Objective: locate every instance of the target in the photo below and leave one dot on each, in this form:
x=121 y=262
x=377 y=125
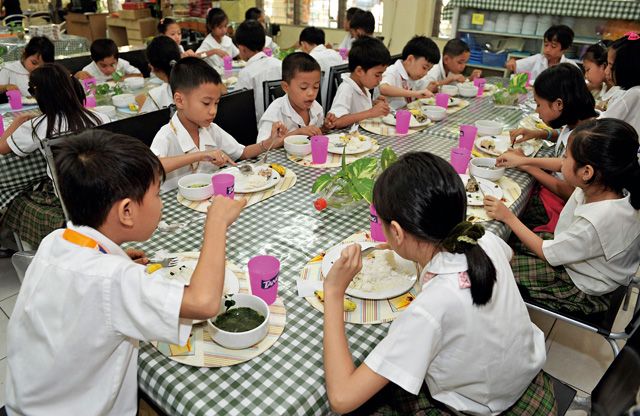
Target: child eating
x=217 y=44
x=455 y=55
x=15 y=75
x=106 y=62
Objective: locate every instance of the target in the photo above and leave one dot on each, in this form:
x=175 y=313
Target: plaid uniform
x=537 y=400
x=19 y=174
x=535 y=214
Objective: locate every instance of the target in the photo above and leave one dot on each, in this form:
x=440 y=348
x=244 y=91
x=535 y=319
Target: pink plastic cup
x=403 y=119
x=263 y=277
x=376 y=226
x=228 y=62
x=15 y=99
x=528 y=84
x=460 y=159
x=344 y=53
x=442 y=100
x=90 y=101
x=223 y=184
x=319 y=149
x=88 y=83
x=268 y=51
x=479 y=82
x=467 y=136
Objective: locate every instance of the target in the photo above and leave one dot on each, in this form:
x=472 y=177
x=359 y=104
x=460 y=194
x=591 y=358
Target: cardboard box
x=135 y=14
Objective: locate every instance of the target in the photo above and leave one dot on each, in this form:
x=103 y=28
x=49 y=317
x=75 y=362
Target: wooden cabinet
x=131 y=32
x=89 y=25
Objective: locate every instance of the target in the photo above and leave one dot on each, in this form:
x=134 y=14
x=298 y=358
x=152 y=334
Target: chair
x=273 y=90
x=21 y=261
x=237 y=116
x=138 y=59
x=335 y=79
x=75 y=63
x=23 y=19
x=39 y=18
x=143 y=126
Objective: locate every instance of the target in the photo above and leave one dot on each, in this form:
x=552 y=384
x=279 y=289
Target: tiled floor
x=574 y=356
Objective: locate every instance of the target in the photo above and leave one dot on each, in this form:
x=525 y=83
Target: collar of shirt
x=347 y=78
x=16 y=67
x=184 y=138
x=100 y=238
x=318 y=48
x=260 y=55
x=446 y=263
x=289 y=111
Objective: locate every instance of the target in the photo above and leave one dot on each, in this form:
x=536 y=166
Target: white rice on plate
x=382 y=271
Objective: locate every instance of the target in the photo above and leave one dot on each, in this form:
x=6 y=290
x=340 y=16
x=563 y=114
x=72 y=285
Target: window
x=279 y=11
x=444 y=26
x=374 y=6
x=321 y=13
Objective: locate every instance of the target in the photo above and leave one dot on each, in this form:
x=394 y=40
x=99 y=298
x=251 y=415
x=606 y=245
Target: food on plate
x=153 y=267
x=255 y=181
x=279 y=168
x=265 y=171
x=198 y=185
x=352 y=141
x=472 y=185
x=133 y=107
x=239 y=320
x=418 y=115
x=348 y=305
x=488 y=144
x=380 y=271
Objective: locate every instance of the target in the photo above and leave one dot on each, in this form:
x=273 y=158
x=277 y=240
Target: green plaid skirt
x=34 y=214
x=537 y=400
x=535 y=214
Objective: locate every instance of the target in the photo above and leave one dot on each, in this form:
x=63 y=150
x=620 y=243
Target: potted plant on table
x=511 y=94
x=353 y=184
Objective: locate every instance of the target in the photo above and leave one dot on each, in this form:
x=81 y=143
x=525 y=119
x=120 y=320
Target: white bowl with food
x=123 y=100
x=242 y=325
x=196 y=187
x=107 y=110
x=134 y=83
x=467 y=90
x=297 y=145
x=450 y=90
x=434 y=112
x=489 y=127
x=485 y=168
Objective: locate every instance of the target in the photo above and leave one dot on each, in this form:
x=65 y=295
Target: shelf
x=582 y=40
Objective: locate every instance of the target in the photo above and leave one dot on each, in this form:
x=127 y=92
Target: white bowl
x=134 y=82
x=241 y=340
x=450 y=90
x=468 y=90
x=484 y=167
x=434 y=112
x=123 y=100
x=297 y=145
x=489 y=128
x=107 y=110
x=196 y=194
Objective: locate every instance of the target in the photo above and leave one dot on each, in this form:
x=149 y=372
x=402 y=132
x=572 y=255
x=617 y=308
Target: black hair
x=215 y=18
x=596 y=53
x=455 y=47
x=298 y=62
x=626 y=66
x=351 y=11
x=561 y=34
x=60 y=98
x=39 y=45
x=566 y=81
x=162 y=54
x=610 y=146
x=426 y=197
x=251 y=35
x=164 y=24
x=368 y=52
x=422 y=47
x=191 y=72
x=312 y=35
x=253 y=13
x=87 y=189
x=103 y=48
x=364 y=20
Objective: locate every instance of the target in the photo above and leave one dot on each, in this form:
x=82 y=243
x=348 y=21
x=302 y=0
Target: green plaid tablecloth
x=288 y=379
x=606 y=9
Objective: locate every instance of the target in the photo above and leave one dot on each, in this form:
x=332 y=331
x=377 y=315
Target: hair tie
x=462 y=236
x=172 y=62
x=632 y=36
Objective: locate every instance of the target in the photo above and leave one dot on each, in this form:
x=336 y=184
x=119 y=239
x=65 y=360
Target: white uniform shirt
x=73 y=335
x=598 y=243
x=396 y=76
x=260 y=68
x=123 y=66
x=346 y=42
x=561 y=147
x=350 y=98
x=269 y=43
x=326 y=58
x=157 y=98
x=226 y=45
x=174 y=140
x=15 y=73
x=281 y=110
x=436 y=73
x=537 y=63
x=626 y=107
x=611 y=95
x=475 y=359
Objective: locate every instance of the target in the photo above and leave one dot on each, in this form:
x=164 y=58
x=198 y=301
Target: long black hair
x=427 y=198
x=215 y=17
x=60 y=98
x=566 y=82
x=596 y=53
x=162 y=54
x=626 y=65
x=610 y=146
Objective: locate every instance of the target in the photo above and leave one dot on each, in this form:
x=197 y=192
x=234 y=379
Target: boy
x=312 y=42
x=404 y=80
x=348 y=40
x=368 y=59
x=260 y=67
x=254 y=13
x=298 y=110
x=84 y=304
x=191 y=137
x=104 y=54
x=362 y=24
x=455 y=55
x=557 y=39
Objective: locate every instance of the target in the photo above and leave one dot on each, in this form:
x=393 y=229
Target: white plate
x=335 y=141
x=29 y=101
x=333 y=254
x=453 y=101
x=238 y=64
x=413 y=123
x=489 y=188
x=231 y=282
x=127 y=110
x=502 y=144
x=242 y=187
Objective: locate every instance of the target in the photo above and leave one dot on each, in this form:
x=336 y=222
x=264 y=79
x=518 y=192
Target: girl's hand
x=344 y=269
x=522 y=135
x=496 y=209
x=330 y=121
x=220 y=53
x=476 y=73
x=217 y=157
x=511 y=159
x=278 y=133
x=189 y=52
x=138 y=256
x=83 y=75
x=422 y=94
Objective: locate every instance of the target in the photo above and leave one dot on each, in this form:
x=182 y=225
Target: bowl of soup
x=196 y=187
x=297 y=145
x=241 y=325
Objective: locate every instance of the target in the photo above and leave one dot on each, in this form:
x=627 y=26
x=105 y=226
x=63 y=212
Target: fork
x=369 y=250
x=264 y=158
x=166 y=262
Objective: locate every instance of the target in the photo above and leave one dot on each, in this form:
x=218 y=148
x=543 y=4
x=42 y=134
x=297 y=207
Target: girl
x=595 y=67
x=162 y=54
x=171 y=28
x=596 y=246
x=255 y=13
x=15 y=75
x=217 y=44
x=624 y=69
x=467 y=335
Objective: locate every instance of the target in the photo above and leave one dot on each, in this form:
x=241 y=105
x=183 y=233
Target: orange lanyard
x=82 y=240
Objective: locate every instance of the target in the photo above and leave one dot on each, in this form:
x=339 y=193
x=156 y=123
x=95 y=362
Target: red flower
x=320 y=204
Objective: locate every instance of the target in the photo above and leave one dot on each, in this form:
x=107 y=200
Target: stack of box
x=180 y=7
x=51 y=31
x=199 y=8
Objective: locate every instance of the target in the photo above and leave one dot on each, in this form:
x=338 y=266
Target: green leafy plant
x=510 y=94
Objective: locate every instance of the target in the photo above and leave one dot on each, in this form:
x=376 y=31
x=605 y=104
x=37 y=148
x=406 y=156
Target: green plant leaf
x=343 y=160
x=366 y=167
x=387 y=158
x=321 y=182
x=364 y=186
